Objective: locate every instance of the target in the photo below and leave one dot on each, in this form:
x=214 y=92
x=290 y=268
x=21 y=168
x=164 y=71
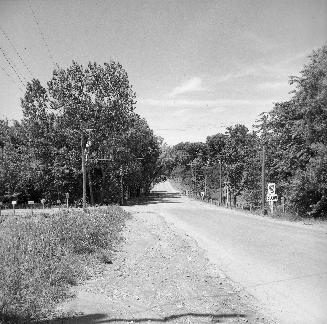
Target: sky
x=197 y=67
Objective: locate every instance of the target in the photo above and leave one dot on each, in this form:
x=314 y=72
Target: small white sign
x=272 y=198
x=14 y=202
x=271 y=189
x=58 y=202
x=67 y=195
x=31 y=202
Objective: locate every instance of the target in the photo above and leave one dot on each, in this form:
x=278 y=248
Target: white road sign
x=272 y=198
x=271 y=189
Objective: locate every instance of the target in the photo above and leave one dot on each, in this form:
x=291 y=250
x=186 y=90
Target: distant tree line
x=86 y=110
x=294 y=135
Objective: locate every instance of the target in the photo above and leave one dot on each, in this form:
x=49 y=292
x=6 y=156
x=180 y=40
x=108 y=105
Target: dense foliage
x=87 y=110
x=294 y=134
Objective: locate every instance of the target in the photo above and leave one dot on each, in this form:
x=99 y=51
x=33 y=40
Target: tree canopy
x=294 y=134
x=89 y=109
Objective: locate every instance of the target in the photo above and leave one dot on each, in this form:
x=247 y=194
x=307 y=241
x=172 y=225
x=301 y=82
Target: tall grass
x=42 y=256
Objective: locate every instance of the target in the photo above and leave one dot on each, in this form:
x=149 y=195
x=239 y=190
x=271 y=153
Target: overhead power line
x=12 y=66
x=15 y=49
x=42 y=35
x=12 y=79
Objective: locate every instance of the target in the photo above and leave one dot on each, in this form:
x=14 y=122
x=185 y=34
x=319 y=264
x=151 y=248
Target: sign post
x=0 y=207
x=271 y=195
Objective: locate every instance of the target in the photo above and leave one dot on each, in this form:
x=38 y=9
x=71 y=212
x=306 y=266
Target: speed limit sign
x=271 y=189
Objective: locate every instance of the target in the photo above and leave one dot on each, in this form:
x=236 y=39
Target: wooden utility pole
x=207 y=168
x=263 y=180
x=205 y=184
x=192 y=175
x=220 y=185
x=83 y=169
x=121 y=186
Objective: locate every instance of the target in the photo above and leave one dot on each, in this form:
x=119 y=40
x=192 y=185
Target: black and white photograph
x=163 y=161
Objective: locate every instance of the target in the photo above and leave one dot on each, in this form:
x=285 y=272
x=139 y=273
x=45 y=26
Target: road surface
x=282 y=264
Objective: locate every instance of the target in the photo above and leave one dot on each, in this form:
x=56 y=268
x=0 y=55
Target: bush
x=42 y=257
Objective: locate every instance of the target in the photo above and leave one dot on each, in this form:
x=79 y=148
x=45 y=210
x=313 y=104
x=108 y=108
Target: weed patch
x=41 y=257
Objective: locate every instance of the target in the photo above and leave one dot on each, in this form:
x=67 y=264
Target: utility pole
x=83 y=169
x=88 y=169
x=193 y=176
x=263 y=180
x=195 y=184
x=226 y=186
x=121 y=186
x=90 y=187
x=220 y=185
x=206 y=169
x=263 y=167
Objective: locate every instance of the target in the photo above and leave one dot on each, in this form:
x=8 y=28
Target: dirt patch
x=159 y=276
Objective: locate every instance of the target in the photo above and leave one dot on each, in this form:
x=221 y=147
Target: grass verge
x=42 y=257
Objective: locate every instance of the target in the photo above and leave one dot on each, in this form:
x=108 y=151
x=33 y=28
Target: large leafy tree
x=94 y=104
x=297 y=134
x=84 y=112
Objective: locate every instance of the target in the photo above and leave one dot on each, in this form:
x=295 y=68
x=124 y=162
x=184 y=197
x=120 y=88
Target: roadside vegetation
x=294 y=135
x=83 y=117
x=82 y=111
x=41 y=257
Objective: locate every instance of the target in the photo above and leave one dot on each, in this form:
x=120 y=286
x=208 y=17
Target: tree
x=84 y=114
x=298 y=137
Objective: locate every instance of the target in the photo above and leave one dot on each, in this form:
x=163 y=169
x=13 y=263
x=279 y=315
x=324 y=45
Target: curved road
x=282 y=264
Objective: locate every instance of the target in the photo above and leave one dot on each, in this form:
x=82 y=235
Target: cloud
x=280 y=69
x=194 y=84
x=245 y=71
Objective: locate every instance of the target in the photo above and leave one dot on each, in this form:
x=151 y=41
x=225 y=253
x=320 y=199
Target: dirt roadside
x=159 y=276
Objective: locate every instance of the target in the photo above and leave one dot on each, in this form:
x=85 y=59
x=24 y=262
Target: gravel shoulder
x=159 y=275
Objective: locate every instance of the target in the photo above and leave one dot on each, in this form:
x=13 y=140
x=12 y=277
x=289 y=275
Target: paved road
x=282 y=264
